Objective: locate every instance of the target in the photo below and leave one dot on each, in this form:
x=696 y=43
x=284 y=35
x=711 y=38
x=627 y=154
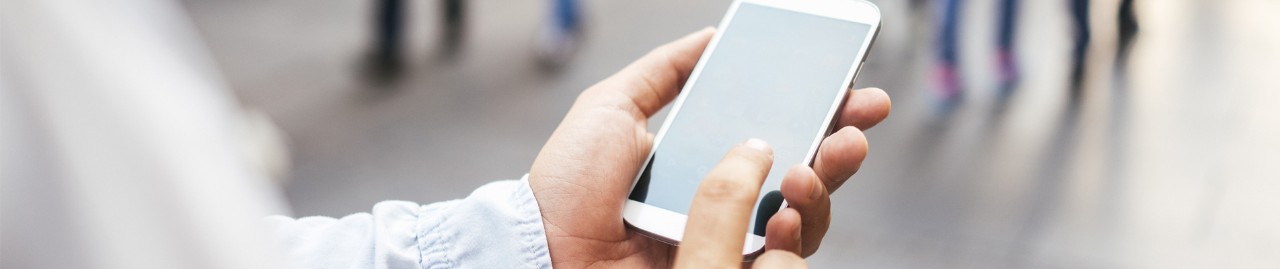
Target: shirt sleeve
x=497 y=226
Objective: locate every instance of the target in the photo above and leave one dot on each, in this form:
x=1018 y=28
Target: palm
x=582 y=177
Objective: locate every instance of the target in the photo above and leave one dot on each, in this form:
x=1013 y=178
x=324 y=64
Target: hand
x=722 y=209
x=582 y=176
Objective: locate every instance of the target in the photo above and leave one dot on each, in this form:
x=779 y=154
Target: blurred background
x=1163 y=158
x=1025 y=134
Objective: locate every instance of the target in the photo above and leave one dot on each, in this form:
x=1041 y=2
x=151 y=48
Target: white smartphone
x=777 y=70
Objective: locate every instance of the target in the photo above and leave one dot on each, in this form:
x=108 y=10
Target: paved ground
x=1171 y=166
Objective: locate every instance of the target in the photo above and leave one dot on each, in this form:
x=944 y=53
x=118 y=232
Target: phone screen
x=774 y=75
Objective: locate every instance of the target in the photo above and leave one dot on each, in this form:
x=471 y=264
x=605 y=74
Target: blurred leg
x=389 y=24
x=560 y=36
x=949 y=88
x=1080 y=17
x=454 y=24
x=1005 y=62
x=1128 y=24
x=1008 y=15
x=566 y=14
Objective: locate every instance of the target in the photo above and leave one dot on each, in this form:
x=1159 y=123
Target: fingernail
x=815 y=190
x=760 y=145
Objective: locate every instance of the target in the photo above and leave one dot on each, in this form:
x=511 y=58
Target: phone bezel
x=668 y=226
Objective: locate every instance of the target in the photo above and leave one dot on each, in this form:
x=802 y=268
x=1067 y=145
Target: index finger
x=865 y=108
x=722 y=206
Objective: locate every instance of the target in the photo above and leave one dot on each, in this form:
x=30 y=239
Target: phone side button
x=856 y=73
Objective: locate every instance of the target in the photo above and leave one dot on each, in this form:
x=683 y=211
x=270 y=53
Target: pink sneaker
x=1007 y=69
x=948 y=81
x=949 y=89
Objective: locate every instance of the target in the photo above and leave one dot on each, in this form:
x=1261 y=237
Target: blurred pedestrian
x=1006 y=61
x=557 y=40
x=389 y=24
x=561 y=34
x=1079 y=18
x=1128 y=30
x=949 y=85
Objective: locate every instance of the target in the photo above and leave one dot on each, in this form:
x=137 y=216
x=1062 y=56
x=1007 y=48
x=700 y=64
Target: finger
x=806 y=194
x=784 y=231
x=779 y=259
x=839 y=156
x=652 y=81
x=865 y=108
x=722 y=206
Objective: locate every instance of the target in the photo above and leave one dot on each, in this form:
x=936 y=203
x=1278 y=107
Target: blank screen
x=773 y=75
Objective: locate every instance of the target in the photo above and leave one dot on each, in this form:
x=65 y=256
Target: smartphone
x=777 y=70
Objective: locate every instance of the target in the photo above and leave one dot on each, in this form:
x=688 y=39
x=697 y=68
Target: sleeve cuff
x=498 y=226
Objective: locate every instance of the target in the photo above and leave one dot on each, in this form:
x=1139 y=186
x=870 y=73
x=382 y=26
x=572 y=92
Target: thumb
x=651 y=82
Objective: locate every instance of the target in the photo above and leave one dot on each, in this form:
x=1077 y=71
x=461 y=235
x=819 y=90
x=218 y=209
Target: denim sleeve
x=497 y=226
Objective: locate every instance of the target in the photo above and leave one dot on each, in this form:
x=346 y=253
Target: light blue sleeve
x=497 y=226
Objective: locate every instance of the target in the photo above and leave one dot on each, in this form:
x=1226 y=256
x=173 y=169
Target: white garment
x=118 y=149
x=119 y=143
